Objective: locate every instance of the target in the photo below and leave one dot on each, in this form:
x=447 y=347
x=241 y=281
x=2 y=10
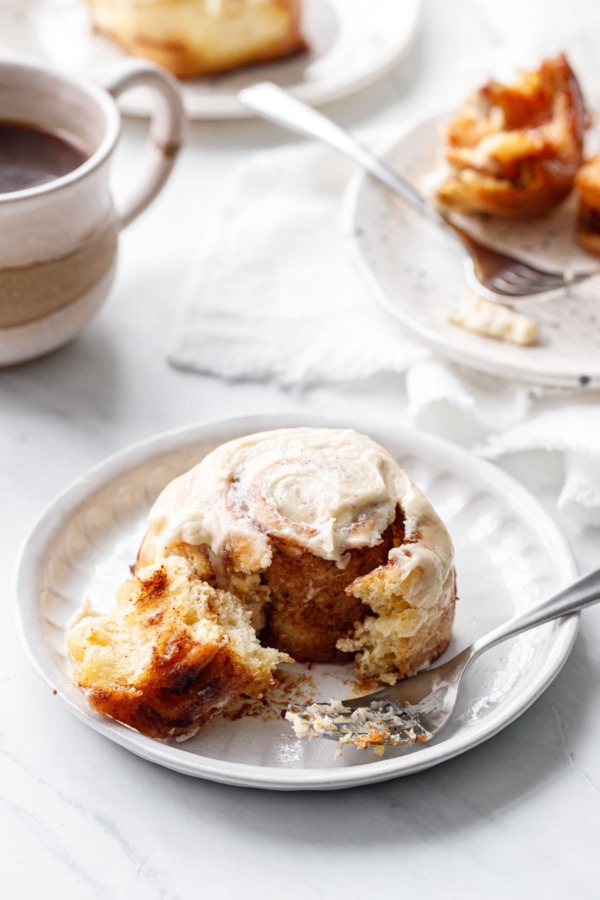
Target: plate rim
x=473 y=359
x=25 y=605
x=304 y=93
x=232 y=110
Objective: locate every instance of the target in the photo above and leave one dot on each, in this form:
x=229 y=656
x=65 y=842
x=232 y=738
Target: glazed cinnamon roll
x=332 y=550
x=515 y=149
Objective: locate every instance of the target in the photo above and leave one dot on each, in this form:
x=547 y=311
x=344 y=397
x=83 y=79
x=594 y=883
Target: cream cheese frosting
x=327 y=491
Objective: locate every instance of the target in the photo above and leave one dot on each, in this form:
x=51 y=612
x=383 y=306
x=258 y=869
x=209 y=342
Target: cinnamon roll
x=326 y=542
x=202 y=37
x=515 y=149
x=587 y=184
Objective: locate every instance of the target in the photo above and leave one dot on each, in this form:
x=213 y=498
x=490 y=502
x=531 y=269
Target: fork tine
x=507 y=279
x=501 y=286
x=522 y=276
x=531 y=272
x=523 y=285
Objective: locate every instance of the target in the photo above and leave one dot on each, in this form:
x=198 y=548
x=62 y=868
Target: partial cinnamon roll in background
x=318 y=542
x=192 y=38
x=587 y=183
x=324 y=538
x=515 y=149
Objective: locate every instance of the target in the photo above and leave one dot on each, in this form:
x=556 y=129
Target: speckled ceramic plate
x=351 y=45
x=509 y=555
x=417 y=274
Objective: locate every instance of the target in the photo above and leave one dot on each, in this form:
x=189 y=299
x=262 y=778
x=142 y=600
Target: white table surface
x=82 y=818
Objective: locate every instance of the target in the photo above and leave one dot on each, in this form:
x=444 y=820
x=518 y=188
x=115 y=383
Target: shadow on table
x=79 y=378
x=459 y=795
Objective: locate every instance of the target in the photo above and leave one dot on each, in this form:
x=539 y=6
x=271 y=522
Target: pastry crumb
x=494 y=320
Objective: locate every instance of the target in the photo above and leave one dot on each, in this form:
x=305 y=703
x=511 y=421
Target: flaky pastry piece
x=494 y=320
x=326 y=541
x=515 y=149
x=587 y=183
x=171 y=654
x=202 y=37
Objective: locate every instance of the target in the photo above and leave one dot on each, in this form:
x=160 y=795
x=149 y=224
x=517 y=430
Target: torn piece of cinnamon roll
x=587 y=183
x=515 y=149
x=171 y=654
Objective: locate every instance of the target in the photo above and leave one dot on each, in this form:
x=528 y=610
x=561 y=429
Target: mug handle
x=166 y=130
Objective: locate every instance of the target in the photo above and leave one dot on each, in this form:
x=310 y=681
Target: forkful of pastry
x=513 y=152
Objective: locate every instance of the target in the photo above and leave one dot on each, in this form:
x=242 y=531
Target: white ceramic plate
x=509 y=554
x=352 y=43
x=417 y=274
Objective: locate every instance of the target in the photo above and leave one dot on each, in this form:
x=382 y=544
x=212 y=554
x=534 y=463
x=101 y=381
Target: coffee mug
x=58 y=240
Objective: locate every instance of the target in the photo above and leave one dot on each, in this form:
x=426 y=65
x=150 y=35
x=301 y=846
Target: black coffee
x=31 y=155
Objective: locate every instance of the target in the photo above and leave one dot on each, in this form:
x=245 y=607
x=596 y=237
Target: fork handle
x=280 y=107
x=583 y=592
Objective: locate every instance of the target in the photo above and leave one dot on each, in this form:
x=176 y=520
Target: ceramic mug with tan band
x=58 y=240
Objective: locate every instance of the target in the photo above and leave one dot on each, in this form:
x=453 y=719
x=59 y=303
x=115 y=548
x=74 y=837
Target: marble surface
x=82 y=818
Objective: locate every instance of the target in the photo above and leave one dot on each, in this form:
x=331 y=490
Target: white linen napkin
x=276 y=297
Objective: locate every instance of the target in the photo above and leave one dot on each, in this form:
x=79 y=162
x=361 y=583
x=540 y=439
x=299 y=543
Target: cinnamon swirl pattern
x=324 y=539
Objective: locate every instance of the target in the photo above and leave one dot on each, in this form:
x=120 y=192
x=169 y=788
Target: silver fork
x=495 y=276
x=417 y=708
